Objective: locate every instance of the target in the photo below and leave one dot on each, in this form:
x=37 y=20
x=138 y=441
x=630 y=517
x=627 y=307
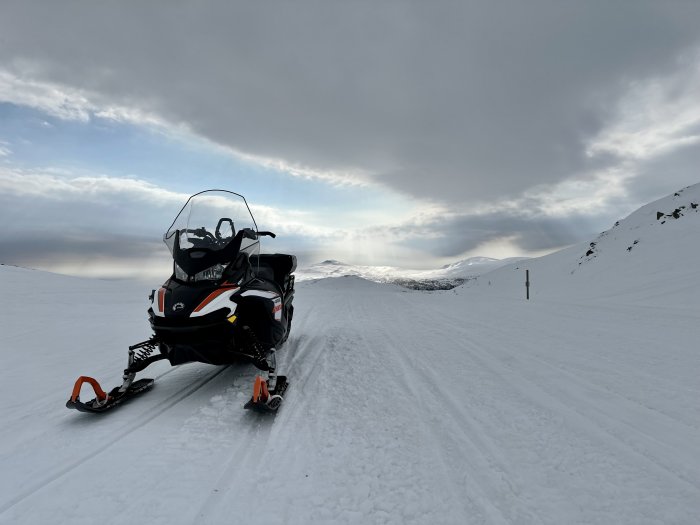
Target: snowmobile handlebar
x=200 y=232
x=248 y=233
x=251 y=234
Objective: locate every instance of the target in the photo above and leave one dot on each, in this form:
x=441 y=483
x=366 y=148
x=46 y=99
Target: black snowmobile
x=224 y=303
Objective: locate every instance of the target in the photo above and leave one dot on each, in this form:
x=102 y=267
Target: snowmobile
x=225 y=302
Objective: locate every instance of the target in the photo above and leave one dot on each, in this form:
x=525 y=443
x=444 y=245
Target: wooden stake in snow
x=527 y=284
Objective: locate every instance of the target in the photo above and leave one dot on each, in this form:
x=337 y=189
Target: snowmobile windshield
x=213 y=228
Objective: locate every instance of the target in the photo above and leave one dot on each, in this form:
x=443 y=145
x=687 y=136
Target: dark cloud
x=455 y=236
x=105 y=256
x=46 y=248
x=668 y=173
x=107 y=233
x=82 y=215
x=453 y=101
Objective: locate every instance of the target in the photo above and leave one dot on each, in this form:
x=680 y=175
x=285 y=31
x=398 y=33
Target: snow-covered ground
x=465 y=406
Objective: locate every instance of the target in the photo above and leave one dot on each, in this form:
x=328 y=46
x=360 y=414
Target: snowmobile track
x=150 y=414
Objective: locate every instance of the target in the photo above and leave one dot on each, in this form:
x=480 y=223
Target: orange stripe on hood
x=161 y=300
x=211 y=297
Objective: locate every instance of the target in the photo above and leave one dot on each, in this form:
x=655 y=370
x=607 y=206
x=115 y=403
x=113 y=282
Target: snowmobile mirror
x=218 y=227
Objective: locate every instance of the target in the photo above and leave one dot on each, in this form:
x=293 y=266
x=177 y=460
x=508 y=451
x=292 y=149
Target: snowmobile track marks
x=151 y=414
x=252 y=444
x=573 y=405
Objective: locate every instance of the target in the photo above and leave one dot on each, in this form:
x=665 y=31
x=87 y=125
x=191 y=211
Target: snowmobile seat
x=275 y=267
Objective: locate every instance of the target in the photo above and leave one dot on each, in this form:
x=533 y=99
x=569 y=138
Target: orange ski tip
x=260 y=392
x=101 y=394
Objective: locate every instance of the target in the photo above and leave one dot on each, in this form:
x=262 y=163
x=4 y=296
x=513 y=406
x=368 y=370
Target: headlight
x=212 y=273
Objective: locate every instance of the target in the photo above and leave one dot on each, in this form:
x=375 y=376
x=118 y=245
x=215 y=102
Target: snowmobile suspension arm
x=140 y=356
x=143 y=363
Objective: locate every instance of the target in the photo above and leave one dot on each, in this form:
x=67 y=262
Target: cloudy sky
x=408 y=133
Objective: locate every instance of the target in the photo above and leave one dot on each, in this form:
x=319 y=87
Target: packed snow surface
x=472 y=405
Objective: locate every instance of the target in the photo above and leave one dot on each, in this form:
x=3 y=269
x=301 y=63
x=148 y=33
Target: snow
x=472 y=405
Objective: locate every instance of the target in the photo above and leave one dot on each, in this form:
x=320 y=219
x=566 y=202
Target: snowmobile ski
x=104 y=401
x=264 y=400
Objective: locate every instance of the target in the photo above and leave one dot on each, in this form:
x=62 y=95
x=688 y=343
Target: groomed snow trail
x=404 y=407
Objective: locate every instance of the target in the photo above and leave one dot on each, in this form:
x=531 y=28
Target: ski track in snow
x=153 y=412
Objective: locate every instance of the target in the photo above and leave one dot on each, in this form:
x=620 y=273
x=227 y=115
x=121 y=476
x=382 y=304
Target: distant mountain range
x=447 y=277
x=656 y=241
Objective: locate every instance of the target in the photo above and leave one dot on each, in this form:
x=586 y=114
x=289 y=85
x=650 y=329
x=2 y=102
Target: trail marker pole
x=527 y=284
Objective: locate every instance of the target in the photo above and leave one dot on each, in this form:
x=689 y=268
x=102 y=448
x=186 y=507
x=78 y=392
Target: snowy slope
x=467 y=406
x=649 y=257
